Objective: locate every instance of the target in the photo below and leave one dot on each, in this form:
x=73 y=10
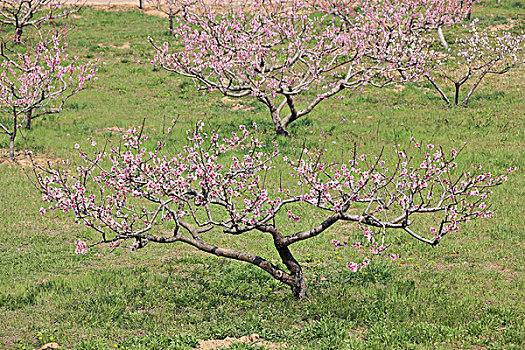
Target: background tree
x=169 y=7
x=475 y=56
x=32 y=13
x=277 y=50
x=38 y=82
x=128 y=192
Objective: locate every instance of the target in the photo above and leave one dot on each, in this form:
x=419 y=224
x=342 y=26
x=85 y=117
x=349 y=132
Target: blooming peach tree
x=276 y=51
x=38 y=82
x=473 y=57
x=127 y=192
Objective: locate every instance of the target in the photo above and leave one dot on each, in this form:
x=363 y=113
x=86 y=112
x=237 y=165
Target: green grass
x=467 y=293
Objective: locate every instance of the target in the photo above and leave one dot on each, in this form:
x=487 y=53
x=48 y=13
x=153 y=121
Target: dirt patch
x=511 y=24
x=112 y=129
x=398 y=88
x=502 y=269
x=248 y=339
x=26 y=161
x=235 y=106
x=52 y=345
x=117 y=6
x=124 y=46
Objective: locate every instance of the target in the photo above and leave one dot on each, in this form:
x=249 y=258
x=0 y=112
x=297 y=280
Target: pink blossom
x=81 y=247
x=352 y=266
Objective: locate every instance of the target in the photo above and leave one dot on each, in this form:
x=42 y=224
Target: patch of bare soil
x=235 y=106
x=398 y=88
x=116 y=6
x=502 y=269
x=122 y=47
x=248 y=339
x=511 y=24
x=52 y=345
x=24 y=160
x=112 y=129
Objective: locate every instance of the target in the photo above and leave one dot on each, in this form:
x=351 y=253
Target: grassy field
x=467 y=293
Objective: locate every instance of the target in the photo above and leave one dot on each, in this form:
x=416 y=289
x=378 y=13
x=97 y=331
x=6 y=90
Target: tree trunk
x=442 y=38
x=12 y=137
x=18 y=35
x=480 y=78
x=12 y=145
x=279 y=128
x=434 y=84
x=298 y=284
x=456 y=95
x=29 y=116
x=170 y=19
x=299 y=288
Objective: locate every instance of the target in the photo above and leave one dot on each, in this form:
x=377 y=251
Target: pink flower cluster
x=81 y=247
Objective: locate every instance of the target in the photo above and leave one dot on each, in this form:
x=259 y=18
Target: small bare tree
x=169 y=7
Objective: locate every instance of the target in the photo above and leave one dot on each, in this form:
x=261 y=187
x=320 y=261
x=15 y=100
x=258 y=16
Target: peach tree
x=37 y=81
x=473 y=57
x=135 y=195
x=292 y=55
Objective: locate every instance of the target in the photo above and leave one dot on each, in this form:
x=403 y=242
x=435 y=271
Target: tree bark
x=170 y=19
x=456 y=95
x=442 y=38
x=12 y=145
x=29 y=117
x=467 y=98
x=280 y=128
x=297 y=284
x=12 y=137
x=443 y=95
x=18 y=35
